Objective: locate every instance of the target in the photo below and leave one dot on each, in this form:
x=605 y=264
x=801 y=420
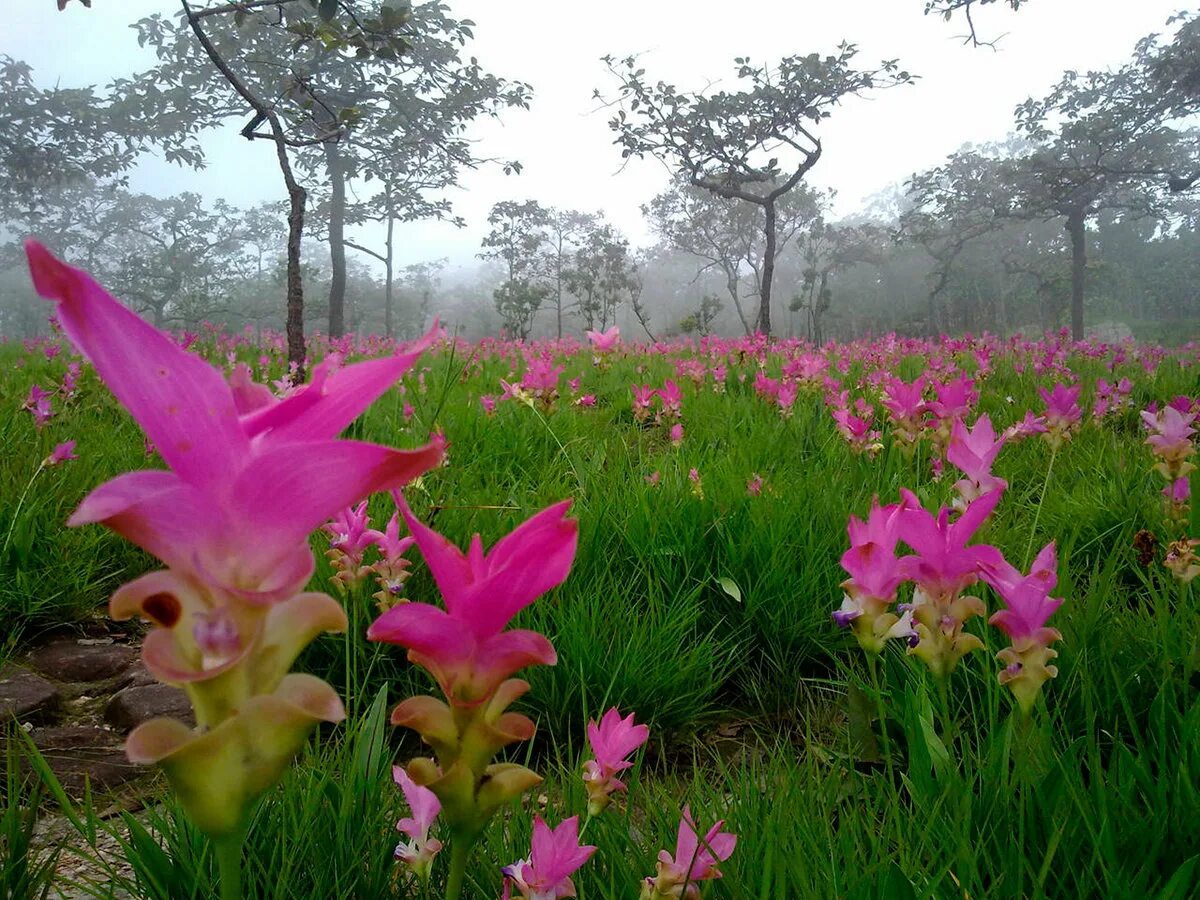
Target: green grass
x=710 y=618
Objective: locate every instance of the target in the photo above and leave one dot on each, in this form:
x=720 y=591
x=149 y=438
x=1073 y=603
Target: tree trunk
x=389 y=277
x=295 y=283
x=558 y=284
x=1075 y=228
x=731 y=284
x=768 y=270
x=337 y=249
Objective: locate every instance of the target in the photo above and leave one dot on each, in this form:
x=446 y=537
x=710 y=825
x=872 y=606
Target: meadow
x=711 y=523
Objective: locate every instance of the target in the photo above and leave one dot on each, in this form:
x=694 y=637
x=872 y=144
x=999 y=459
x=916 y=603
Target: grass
x=709 y=618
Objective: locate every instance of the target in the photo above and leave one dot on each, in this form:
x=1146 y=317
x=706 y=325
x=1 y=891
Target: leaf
x=729 y=586
x=327 y=9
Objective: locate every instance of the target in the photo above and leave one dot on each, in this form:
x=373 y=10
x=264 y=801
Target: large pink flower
x=465 y=646
x=605 y=340
x=244 y=491
x=944 y=565
x=1027 y=601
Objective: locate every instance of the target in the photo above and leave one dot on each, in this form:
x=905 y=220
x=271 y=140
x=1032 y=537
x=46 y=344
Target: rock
x=85 y=754
x=24 y=694
x=71 y=660
x=134 y=705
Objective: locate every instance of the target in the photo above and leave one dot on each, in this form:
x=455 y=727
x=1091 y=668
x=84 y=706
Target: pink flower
x=612 y=741
x=419 y=850
x=755 y=485
x=391 y=569
x=643 y=396
x=231 y=519
x=465 y=647
x=1027 y=607
x=587 y=400
x=1062 y=412
x=245 y=488
x=605 y=340
x=1028 y=426
x=350 y=535
x=555 y=855
x=694 y=861
x=488 y=402
x=944 y=565
x=974 y=450
x=677 y=434
x=672 y=398
x=1178 y=491
x=653 y=478
x=60 y=454
x=875 y=574
x=38 y=405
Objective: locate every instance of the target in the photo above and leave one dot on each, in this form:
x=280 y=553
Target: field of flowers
x=911 y=618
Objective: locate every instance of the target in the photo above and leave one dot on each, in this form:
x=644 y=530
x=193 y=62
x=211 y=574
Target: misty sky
x=963 y=95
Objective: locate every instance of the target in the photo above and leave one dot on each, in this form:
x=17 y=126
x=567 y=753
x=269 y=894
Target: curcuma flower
x=555 y=855
x=1062 y=412
x=942 y=568
x=248 y=482
x=419 y=850
x=694 y=861
x=1027 y=607
x=467 y=650
x=612 y=742
x=974 y=451
x=875 y=574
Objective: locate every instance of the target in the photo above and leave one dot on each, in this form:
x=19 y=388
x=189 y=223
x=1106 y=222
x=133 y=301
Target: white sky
x=964 y=94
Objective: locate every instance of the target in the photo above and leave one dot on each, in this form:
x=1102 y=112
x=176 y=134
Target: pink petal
x=182 y=403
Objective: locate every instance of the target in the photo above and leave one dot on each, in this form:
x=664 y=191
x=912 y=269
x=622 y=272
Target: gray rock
x=25 y=695
x=132 y=706
x=70 y=660
x=82 y=755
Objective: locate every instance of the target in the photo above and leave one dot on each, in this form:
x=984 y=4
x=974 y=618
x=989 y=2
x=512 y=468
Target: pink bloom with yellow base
x=612 y=742
x=555 y=855
x=1027 y=607
x=694 y=861
x=250 y=478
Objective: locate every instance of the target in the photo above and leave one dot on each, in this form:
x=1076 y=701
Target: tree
x=257 y=59
x=946 y=9
x=517 y=239
x=51 y=139
x=726 y=234
x=602 y=274
x=403 y=122
x=827 y=248
x=731 y=143
x=564 y=230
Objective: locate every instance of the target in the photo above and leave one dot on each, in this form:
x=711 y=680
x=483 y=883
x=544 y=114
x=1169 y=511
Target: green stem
x=1037 y=515
x=943 y=685
x=460 y=852
x=885 y=739
x=229 y=865
x=17 y=511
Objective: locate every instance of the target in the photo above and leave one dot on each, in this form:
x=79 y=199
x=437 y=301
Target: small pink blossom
x=419 y=850
x=60 y=454
x=694 y=861
x=612 y=742
x=755 y=485
x=555 y=855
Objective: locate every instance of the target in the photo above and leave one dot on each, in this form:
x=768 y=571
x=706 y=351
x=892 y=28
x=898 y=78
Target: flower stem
x=229 y=865
x=460 y=851
x=17 y=511
x=1037 y=515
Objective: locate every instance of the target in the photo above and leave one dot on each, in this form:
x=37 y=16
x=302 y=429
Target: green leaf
x=729 y=586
